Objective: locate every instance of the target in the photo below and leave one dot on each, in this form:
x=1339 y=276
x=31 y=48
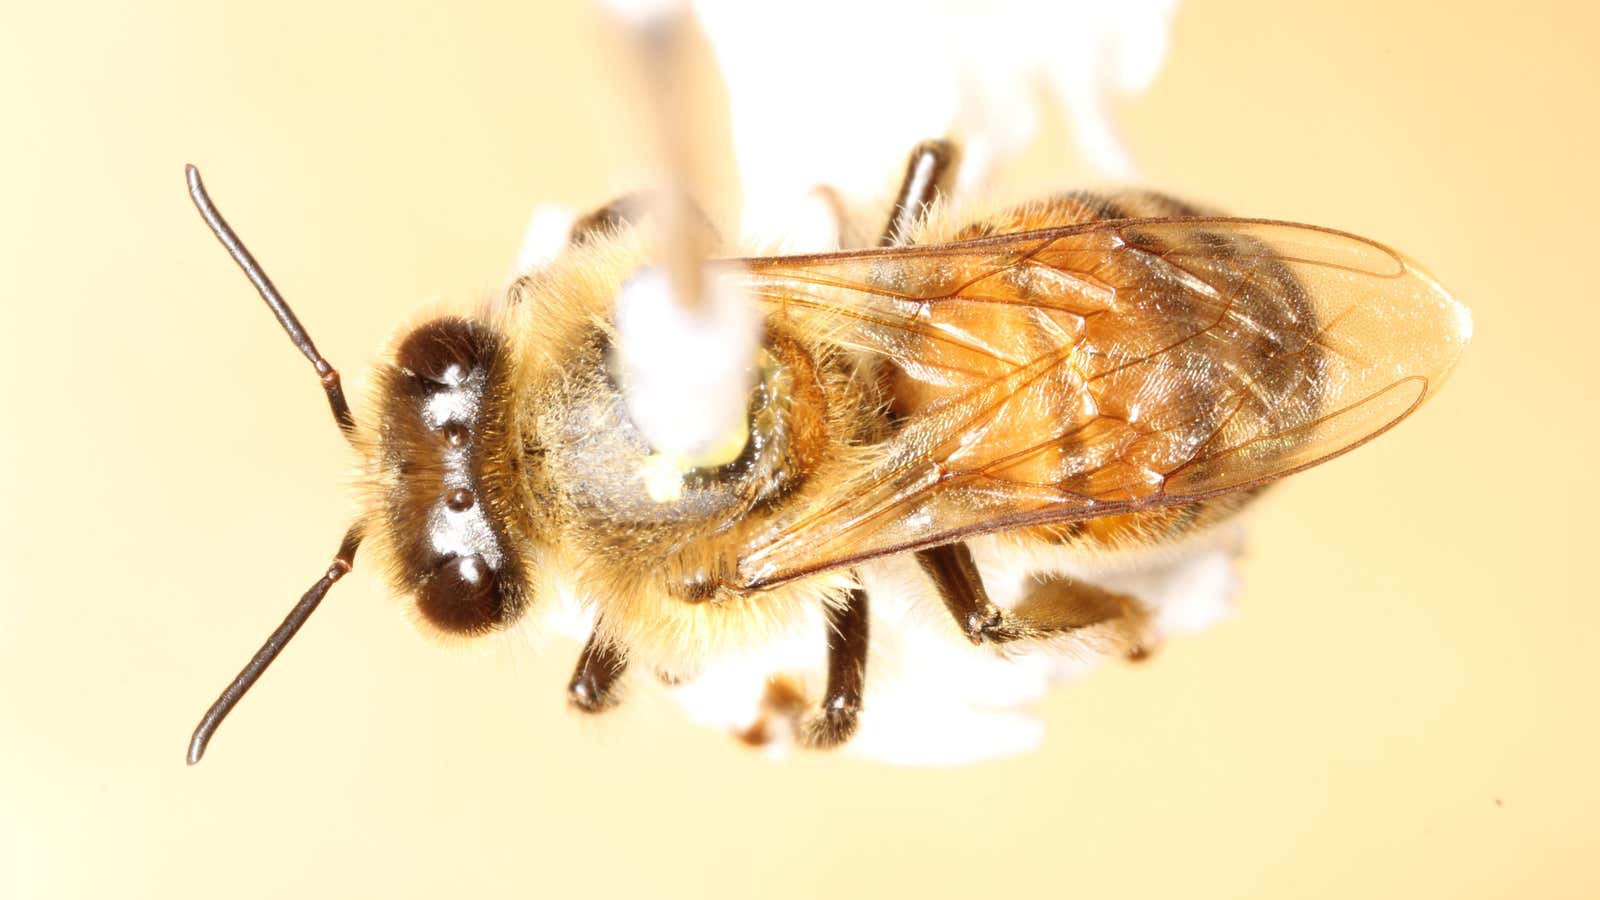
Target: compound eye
x=464 y=596
x=445 y=352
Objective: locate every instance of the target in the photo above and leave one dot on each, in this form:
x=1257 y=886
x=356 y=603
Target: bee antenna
x=275 y=302
x=274 y=645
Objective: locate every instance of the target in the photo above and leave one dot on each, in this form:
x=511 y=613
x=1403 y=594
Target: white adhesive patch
x=686 y=375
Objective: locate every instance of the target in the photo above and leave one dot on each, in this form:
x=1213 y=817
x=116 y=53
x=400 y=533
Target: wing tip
x=1458 y=316
x=1463 y=321
x=1451 y=323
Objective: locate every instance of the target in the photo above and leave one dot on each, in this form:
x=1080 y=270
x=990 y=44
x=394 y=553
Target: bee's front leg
x=594 y=680
x=836 y=721
x=628 y=210
x=1056 y=607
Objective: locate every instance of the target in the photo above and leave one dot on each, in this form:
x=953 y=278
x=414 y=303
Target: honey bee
x=1082 y=374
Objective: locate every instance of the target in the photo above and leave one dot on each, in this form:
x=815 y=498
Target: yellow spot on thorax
x=663 y=472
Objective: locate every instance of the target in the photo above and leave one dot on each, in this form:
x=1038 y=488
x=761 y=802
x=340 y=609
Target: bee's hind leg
x=836 y=721
x=594 y=680
x=1057 y=607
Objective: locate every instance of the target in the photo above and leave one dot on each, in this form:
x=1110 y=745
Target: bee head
x=445 y=483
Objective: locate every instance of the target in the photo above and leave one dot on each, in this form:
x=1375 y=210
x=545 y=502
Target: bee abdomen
x=1260 y=286
x=1077 y=208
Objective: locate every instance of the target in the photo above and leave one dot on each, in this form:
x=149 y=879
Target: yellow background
x=1404 y=706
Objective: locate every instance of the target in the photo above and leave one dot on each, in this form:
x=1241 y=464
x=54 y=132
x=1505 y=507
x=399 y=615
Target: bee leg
x=628 y=210
x=600 y=666
x=928 y=172
x=836 y=721
x=614 y=216
x=1056 y=607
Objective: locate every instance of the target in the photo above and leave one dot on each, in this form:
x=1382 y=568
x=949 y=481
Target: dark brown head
x=442 y=413
x=447 y=487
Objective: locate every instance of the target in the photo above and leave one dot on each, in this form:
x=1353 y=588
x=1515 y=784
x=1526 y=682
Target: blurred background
x=1402 y=706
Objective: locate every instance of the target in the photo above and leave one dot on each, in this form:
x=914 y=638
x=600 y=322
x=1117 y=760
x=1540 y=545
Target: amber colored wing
x=1103 y=368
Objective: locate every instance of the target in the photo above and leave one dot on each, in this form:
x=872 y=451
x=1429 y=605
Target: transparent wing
x=1103 y=368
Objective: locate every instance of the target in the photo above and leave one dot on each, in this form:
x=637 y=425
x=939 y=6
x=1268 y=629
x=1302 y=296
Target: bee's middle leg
x=1055 y=607
x=594 y=680
x=836 y=721
x=928 y=174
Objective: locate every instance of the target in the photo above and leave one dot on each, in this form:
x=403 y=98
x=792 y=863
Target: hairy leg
x=836 y=721
x=628 y=210
x=928 y=173
x=1055 y=607
x=594 y=679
